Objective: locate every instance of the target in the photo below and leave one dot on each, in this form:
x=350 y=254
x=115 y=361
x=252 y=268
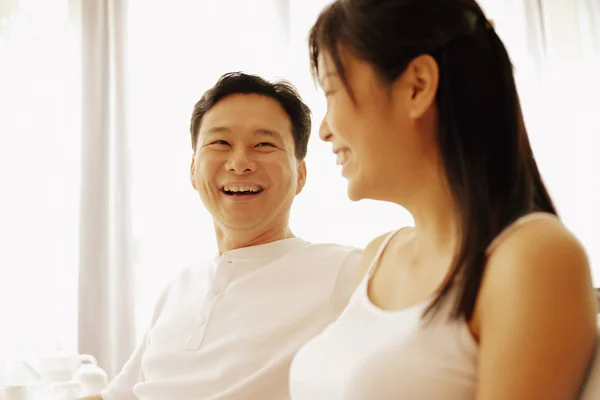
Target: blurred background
x=96 y=209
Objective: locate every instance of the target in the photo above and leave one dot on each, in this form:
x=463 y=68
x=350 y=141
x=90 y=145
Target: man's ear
x=301 y=176
x=193 y=171
x=418 y=85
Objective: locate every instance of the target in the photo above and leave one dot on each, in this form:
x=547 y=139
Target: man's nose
x=324 y=131
x=240 y=163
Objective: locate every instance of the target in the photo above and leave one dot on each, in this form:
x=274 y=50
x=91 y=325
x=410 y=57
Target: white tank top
x=375 y=354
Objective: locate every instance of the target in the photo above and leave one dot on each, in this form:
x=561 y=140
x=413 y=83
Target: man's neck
x=228 y=239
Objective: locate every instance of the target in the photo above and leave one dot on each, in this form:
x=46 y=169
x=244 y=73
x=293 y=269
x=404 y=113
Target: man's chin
x=241 y=222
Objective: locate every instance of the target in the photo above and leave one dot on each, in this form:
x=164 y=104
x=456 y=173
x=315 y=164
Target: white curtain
x=39 y=177
x=561 y=111
x=106 y=284
x=589 y=22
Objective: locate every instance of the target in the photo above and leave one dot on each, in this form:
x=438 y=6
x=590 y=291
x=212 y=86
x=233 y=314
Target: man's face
x=245 y=167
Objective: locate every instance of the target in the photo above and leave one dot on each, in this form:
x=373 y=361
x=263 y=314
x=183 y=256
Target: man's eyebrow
x=268 y=132
x=257 y=132
x=218 y=129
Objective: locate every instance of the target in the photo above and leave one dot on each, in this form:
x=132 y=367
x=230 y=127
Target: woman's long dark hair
x=486 y=154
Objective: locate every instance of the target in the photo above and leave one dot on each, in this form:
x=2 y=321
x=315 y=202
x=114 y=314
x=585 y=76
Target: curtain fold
x=39 y=171
x=566 y=126
x=589 y=23
x=106 y=288
x=534 y=33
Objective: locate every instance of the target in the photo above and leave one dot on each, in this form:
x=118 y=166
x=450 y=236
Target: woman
x=488 y=296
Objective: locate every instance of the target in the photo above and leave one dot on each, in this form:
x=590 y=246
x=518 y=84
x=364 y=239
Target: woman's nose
x=324 y=131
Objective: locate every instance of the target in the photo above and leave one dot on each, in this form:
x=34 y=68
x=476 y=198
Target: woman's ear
x=419 y=85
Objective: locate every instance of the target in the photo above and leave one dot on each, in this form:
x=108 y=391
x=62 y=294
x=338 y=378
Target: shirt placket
x=223 y=276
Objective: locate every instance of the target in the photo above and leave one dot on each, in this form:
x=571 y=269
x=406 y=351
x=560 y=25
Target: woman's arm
x=536 y=316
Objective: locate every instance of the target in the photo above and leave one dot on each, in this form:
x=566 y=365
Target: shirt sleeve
x=346 y=282
x=121 y=387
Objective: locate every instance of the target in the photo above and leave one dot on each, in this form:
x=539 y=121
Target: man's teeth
x=243 y=188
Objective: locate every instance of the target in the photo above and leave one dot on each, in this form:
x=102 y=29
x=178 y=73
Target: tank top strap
x=515 y=225
x=380 y=251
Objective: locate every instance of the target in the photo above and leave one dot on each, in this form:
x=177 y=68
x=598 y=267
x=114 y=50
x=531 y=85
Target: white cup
x=58 y=368
x=19 y=393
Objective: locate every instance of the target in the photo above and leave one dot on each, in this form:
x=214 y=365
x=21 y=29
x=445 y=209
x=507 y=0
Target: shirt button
x=202 y=320
x=217 y=290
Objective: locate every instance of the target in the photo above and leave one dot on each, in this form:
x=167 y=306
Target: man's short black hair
x=240 y=83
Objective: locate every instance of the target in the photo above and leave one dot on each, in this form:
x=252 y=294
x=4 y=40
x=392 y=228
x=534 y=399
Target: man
x=229 y=329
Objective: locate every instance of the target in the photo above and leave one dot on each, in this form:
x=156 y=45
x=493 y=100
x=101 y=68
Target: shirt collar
x=256 y=256
x=264 y=252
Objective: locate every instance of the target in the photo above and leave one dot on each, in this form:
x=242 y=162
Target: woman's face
x=375 y=129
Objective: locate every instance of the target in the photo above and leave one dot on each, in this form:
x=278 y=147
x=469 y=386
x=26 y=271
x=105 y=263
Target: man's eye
x=220 y=142
x=262 y=144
